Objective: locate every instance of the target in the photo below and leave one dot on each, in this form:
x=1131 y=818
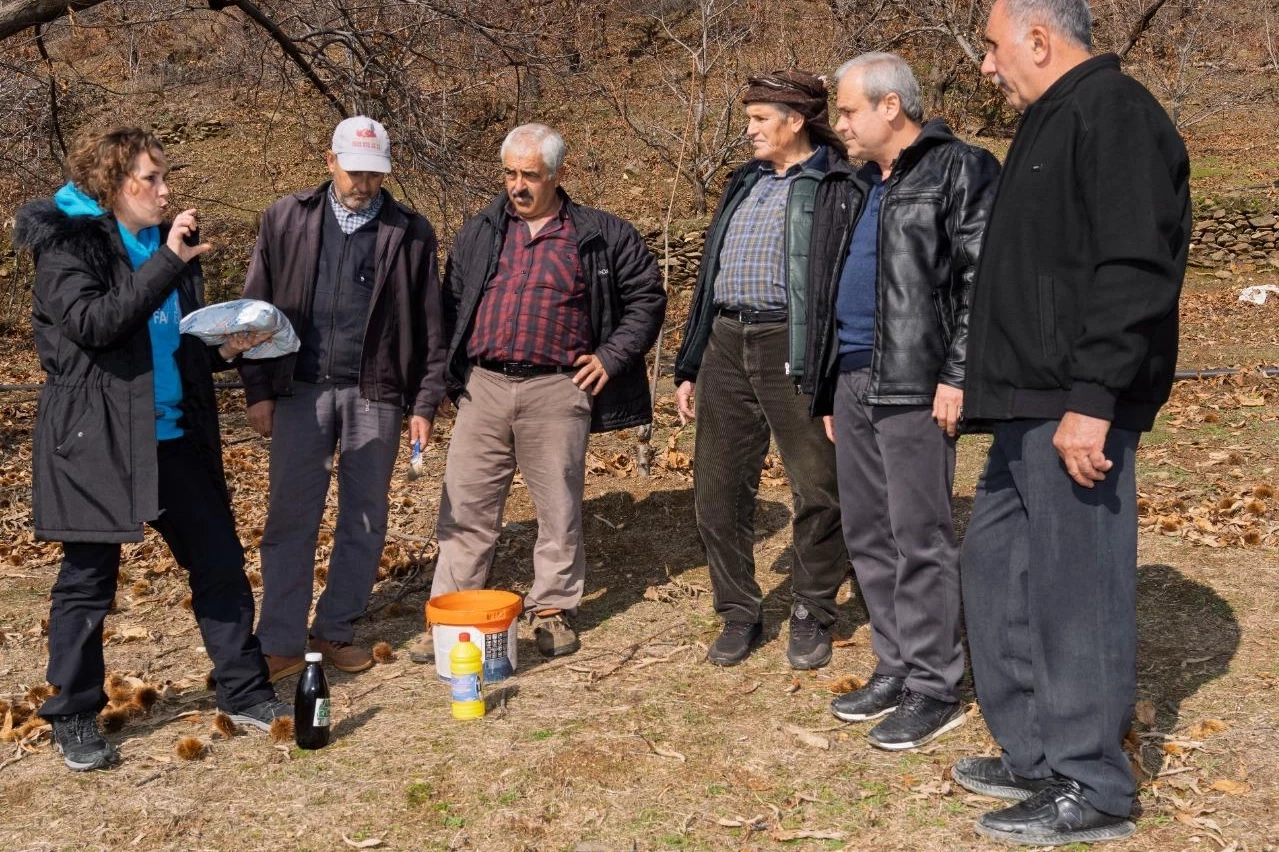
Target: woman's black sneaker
x=79 y=740
x=735 y=643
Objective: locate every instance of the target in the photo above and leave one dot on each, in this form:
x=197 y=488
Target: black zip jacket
x=934 y=211
x=1075 y=304
x=799 y=220
x=627 y=303
x=93 y=461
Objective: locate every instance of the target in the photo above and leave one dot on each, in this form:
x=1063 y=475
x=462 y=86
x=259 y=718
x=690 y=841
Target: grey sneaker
x=810 y=644
x=262 y=714
x=79 y=740
x=555 y=636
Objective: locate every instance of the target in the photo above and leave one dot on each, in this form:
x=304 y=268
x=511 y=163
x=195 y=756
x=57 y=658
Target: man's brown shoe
x=279 y=667
x=343 y=655
x=422 y=648
x=555 y=636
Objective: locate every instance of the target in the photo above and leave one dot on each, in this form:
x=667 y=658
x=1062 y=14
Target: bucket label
x=466 y=687
x=321 y=717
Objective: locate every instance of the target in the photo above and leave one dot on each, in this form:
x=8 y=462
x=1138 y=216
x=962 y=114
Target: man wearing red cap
x=743 y=350
x=356 y=273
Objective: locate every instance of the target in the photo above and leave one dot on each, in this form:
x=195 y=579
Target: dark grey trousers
x=896 y=468
x=743 y=395
x=1049 y=579
x=308 y=427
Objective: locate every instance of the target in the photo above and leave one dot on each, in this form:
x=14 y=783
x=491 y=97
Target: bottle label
x=466 y=687
x=321 y=717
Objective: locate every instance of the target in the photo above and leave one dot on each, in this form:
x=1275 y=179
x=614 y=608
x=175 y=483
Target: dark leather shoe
x=877 y=698
x=989 y=776
x=1055 y=816
x=809 y=646
x=735 y=643
x=918 y=719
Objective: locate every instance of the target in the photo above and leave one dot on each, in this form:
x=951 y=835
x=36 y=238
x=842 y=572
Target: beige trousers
x=540 y=424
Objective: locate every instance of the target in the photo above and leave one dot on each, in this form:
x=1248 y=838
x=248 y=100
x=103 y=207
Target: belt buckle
x=517 y=369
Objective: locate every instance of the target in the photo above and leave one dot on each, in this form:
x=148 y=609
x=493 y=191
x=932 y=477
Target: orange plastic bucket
x=488 y=615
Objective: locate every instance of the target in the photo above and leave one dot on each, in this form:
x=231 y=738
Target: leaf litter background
x=635 y=742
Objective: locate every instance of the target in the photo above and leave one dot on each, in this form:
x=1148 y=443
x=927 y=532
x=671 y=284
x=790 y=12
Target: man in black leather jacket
x=893 y=255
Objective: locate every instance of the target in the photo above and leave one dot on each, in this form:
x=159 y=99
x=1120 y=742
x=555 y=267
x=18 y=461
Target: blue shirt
x=858 y=283
x=165 y=337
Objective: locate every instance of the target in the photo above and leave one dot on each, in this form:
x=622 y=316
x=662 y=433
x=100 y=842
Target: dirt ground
x=635 y=742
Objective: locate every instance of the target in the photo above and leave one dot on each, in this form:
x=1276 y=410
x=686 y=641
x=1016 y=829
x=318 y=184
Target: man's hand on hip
x=261 y=415
x=684 y=402
x=1080 y=441
x=592 y=376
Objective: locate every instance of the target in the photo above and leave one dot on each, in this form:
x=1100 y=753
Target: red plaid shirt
x=535 y=308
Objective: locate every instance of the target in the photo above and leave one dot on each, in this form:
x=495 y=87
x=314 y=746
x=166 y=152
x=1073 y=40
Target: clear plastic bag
x=216 y=323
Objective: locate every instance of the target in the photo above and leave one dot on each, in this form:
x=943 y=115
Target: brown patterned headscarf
x=803 y=92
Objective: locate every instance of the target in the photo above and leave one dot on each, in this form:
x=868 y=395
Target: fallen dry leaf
x=807 y=737
x=1233 y=788
x=1145 y=713
x=1206 y=728
x=805 y=834
x=369 y=843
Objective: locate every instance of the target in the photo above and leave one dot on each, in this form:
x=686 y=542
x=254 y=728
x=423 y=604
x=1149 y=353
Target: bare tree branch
x=1142 y=24
x=17 y=15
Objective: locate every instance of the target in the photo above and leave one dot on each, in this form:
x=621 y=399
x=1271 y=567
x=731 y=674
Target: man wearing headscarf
x=744 y=348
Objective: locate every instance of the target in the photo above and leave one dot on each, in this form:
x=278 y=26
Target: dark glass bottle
x=311 y=705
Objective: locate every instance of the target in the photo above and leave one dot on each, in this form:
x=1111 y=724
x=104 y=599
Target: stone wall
x=1234 y=241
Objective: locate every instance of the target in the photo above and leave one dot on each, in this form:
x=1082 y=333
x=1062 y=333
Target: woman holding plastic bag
x=127 y=428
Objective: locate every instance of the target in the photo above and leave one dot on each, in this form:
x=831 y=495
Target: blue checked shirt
x=752 y=265
x=351 y=221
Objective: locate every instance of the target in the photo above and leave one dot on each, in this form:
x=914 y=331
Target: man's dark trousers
x=197 y=524
x=1049 y=579
x=743 y=394
x=896 y=467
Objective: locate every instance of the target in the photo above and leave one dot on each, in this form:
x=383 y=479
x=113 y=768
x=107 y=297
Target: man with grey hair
x=891 y=265
x=549 y=310
x=1073 y=347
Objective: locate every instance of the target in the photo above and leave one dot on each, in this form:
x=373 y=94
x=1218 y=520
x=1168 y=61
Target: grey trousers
x=1049 y=580
x=308 y=427
x=743 y=395
x=896 y=468
x=542 y=424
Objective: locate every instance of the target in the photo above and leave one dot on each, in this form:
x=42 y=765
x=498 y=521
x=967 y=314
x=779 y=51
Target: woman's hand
x=184 y=225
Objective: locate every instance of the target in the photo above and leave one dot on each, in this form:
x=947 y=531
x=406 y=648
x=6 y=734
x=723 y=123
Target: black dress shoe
x=990 y=777
x=809 y=646
x=877 y=698
x=736 y=642
x=918 y=719
x=1055 y=816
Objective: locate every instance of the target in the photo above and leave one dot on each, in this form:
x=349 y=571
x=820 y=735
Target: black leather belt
x=746 y=315
x=521 y=369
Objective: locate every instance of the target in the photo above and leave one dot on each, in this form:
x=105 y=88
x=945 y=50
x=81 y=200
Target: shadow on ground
x=1187 y=635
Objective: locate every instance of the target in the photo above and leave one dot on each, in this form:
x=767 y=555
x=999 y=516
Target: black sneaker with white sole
x=1055 y=816
x=262 y=714
x=878 y=697
x=79 y=740
x=918 y=719
x=989 y=776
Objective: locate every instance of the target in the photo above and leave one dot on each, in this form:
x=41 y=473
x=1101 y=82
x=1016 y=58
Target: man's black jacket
x=628 y=303
x=1075 y=303
x=935 y=206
